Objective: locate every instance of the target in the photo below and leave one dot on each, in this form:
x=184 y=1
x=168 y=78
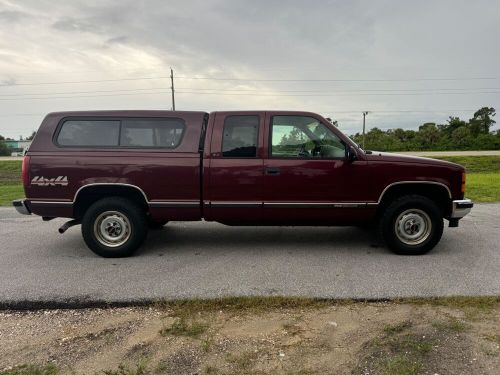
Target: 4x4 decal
x=43 y=181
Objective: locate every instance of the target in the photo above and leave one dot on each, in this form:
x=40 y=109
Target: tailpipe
x=68 y=225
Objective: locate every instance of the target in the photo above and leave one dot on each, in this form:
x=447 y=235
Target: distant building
x=17 y=147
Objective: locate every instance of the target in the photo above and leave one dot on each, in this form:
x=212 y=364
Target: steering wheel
x=316 y=151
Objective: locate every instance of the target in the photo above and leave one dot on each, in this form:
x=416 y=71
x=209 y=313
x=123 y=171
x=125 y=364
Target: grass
x=10 y=192
x=400 y=365
x=138 y=369
x=474 y=308
x=243 y=362
x=397 y=328
x=10 y=182
x=459 y=302
x=475 y=164
x=255 y=304
x=451 y=325
x=210 y=370
x=483 y=187
x=396 y=353
x=10 y=172
x=185 y=327
x=48 y=369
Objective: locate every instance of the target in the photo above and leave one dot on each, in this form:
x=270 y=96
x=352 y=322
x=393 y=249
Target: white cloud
x=54 y=41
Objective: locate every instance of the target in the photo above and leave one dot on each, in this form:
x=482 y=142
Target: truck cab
x=118 y=173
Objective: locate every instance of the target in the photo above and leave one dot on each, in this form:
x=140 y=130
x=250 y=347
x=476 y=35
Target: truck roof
x=127 y=112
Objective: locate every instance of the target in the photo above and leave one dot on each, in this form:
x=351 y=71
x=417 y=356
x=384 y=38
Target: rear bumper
x=21 y=206
x=460 y=208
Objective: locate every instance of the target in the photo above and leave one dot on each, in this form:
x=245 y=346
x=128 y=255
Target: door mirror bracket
x=351 y=154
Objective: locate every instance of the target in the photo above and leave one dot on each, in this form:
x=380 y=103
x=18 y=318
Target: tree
x=482 y=121
x=30 y=138
x=461 y=137
x=428 y=135
x=296 y=136
x=4 y=150
x=455 y=134
x=453 y=124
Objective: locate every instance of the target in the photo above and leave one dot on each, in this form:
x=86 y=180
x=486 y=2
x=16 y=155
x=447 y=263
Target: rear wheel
x=412 y=225
x=114 y=227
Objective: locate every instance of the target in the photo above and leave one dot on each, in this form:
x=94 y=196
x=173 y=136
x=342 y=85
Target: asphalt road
x=208 y=260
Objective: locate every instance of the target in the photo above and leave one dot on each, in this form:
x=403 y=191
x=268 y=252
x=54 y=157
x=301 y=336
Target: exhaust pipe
x=68 y=225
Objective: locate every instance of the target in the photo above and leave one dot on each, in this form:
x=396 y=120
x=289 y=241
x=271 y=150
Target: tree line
x=455 y=134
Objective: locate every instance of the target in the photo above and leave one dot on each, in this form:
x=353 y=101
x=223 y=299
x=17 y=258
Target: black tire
x=110 y=211
x=411 y=212
x=156 y=225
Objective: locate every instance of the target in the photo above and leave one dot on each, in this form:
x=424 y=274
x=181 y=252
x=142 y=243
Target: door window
x=304 y=137
x=240 y=136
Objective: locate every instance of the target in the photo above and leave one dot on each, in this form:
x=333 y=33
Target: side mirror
x=351 y=153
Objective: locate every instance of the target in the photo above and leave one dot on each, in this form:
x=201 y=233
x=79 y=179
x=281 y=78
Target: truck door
x=307 y=175
x=234 y=178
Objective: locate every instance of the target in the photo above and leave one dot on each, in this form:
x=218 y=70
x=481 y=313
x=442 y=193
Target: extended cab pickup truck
x=118 y=173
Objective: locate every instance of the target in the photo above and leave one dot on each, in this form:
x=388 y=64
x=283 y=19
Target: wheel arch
x=436 y=191
x=90 y=193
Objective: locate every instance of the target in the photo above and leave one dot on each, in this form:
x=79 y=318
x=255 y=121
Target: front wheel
x=114 y=227
x=412 y=225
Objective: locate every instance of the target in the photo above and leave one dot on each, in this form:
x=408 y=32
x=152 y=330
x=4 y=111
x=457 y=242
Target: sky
x=407 y=62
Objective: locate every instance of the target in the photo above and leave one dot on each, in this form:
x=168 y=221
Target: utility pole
x=172 y=87
x=364 y=121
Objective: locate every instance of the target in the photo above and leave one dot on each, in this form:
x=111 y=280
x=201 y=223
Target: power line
x=250 y=90
x=87 y=92
x=331 y=95
x=77 y=82
x=256 y=94
x=85 y=96
x=330 y=90
x=236 y=94
x=337 y=80
x=252 y=80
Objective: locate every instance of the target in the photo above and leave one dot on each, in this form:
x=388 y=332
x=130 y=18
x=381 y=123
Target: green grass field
x=476 y=164
x=483 y=178
x=10 y=182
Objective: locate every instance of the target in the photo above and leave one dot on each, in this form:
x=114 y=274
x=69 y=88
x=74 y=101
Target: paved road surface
x=3 y=158
x=209 y=260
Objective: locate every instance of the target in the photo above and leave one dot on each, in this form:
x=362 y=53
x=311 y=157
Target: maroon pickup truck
x=118 y=173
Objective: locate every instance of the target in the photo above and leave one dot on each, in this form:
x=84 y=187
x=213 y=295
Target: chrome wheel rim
x=413 y=226
x=112 y=228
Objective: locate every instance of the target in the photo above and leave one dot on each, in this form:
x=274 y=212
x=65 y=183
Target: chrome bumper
x=21 y=207
x=460 y=208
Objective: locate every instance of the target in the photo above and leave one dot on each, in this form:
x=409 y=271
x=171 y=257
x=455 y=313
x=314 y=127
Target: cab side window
x=304 y=138
x=165 y=133
x=239 y=139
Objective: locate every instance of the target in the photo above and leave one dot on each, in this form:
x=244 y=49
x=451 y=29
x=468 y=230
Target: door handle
x=272 y=171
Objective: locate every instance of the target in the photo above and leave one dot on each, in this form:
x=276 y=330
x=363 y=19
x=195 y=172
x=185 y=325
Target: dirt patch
x=327 y=338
